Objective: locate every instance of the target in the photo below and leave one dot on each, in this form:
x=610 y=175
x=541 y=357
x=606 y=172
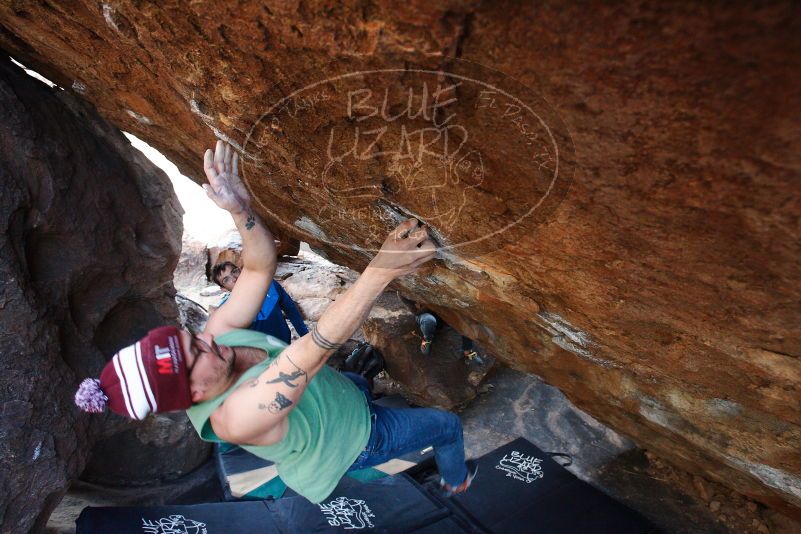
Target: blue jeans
x=428 y=325
x=398 y=431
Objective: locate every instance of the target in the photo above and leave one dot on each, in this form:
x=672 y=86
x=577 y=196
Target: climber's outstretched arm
x=259 y=257
x=256 y=412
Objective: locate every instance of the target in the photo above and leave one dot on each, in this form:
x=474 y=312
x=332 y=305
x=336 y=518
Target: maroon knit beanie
x=148 y=376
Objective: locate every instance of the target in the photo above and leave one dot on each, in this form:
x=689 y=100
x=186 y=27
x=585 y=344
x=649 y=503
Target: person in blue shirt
x=270 y=319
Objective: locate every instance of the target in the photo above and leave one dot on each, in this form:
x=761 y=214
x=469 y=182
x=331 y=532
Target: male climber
x=270 y=318
x=281 y=402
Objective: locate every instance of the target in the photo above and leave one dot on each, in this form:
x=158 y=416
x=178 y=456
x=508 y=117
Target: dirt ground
x=732 y=510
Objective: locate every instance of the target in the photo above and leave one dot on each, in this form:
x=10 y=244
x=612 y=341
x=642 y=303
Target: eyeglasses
x=197 y=346
x=227 y=278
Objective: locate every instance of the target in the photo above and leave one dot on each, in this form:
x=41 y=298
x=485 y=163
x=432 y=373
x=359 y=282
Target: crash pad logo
x=351 y=514
x=356 y=147
x=173 y=524
x=521 y=467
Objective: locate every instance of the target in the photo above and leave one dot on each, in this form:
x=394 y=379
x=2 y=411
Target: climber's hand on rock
x=225 y=187
x=404 y=251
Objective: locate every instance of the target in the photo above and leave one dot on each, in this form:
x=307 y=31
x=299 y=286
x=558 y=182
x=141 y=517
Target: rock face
x=660 y=293
x=191 y=315
x=313 y=283
x=90 y=234
x=161 y=448
x=442 y=378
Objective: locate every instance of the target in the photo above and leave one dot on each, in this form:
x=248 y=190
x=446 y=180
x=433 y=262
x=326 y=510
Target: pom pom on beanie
x=89 y=397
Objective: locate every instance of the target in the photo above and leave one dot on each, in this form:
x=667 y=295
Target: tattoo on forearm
x=287 y=379
x=279 y=403
x=322 y=342
x=250 y=222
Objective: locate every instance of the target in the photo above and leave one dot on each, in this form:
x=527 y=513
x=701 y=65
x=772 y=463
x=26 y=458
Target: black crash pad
x=390 y=504
x=183 y=519
x=519 y=488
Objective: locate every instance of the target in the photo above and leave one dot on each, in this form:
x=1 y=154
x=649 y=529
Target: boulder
x=90 y=234
x=191 y=315
x=196 y=295
x=655 y=282
x=162 y=448
x=190 y=277
x=442 y=378
x=313 y=282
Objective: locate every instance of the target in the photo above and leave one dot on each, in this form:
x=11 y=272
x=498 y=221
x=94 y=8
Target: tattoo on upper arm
x=250 y=222
x=251 y=383
x=279 y=403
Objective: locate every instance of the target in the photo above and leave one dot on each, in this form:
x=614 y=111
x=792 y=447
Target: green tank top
x=327 y=430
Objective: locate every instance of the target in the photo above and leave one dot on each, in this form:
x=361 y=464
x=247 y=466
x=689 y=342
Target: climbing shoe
x=449 y=491
x=425 y=346
x=472 y=356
